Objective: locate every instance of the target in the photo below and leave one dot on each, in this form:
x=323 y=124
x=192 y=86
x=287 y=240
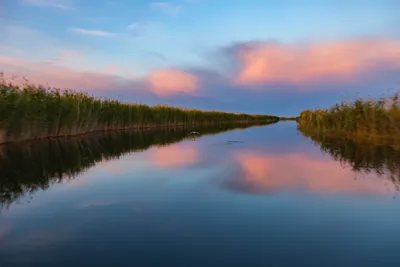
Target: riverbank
x=33 y=112
x=367 y=119
x=288 y=118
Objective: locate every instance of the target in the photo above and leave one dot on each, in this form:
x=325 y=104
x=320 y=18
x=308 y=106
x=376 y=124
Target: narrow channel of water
x=261 y=196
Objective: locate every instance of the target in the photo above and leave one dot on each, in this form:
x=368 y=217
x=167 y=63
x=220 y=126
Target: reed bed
x=368 y=118
x=34 y=111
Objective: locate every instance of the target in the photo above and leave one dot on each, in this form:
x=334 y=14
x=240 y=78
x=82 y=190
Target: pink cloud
x=54 y=75
x=170 y=81
x=284 y=172
x=163 y=82
x=299 y=64
x=178 y=155
x=112 y=69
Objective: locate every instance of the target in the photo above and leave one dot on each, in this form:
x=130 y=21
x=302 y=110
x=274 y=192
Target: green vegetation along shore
x=32 y=112
x=365 y=119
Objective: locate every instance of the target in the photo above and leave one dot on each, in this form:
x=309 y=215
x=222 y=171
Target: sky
x=253 y=56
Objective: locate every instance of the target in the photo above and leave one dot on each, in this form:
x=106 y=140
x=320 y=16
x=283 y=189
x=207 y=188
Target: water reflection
x=268 y=173
x=249 y=167
x=174 y=156
x=344 y=167
x=203 y=203
x=362 y=156
x=28 y=167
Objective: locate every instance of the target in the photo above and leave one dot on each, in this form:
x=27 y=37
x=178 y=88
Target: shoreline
x=149 y=127
x=34 y=112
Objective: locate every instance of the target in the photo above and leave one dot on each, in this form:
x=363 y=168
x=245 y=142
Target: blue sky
x=228 y=55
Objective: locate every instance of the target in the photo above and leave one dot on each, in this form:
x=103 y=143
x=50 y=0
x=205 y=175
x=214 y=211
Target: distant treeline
x=32 y=166
x=288 y=118
x=380 y=158
x=34 y=111
x=362 y=119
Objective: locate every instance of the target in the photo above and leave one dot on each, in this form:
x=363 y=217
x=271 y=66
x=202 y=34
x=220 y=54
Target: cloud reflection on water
x=260 y=173
x=174 y=156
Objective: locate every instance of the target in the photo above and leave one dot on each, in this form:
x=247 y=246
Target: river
x=260 y=196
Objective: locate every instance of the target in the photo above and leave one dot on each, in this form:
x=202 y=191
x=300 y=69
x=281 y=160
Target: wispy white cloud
x=134 y=26
x=61 y=4
x=141 y=27
x=44 y=45
x=65 y=56
x=166 y=7
x=101 y=33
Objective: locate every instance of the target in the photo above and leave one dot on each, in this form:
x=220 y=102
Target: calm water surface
x=262 y=196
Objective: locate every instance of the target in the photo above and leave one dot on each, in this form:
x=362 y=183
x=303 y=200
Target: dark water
x=262 y=196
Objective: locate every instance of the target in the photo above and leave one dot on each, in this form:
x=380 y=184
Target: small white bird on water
x=194 y=132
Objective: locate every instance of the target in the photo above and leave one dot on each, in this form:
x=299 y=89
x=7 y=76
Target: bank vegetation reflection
x=28 y=167
x=348 y=167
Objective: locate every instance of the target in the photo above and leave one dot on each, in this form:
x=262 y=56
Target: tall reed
x=361 y=118
x=34 y=111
